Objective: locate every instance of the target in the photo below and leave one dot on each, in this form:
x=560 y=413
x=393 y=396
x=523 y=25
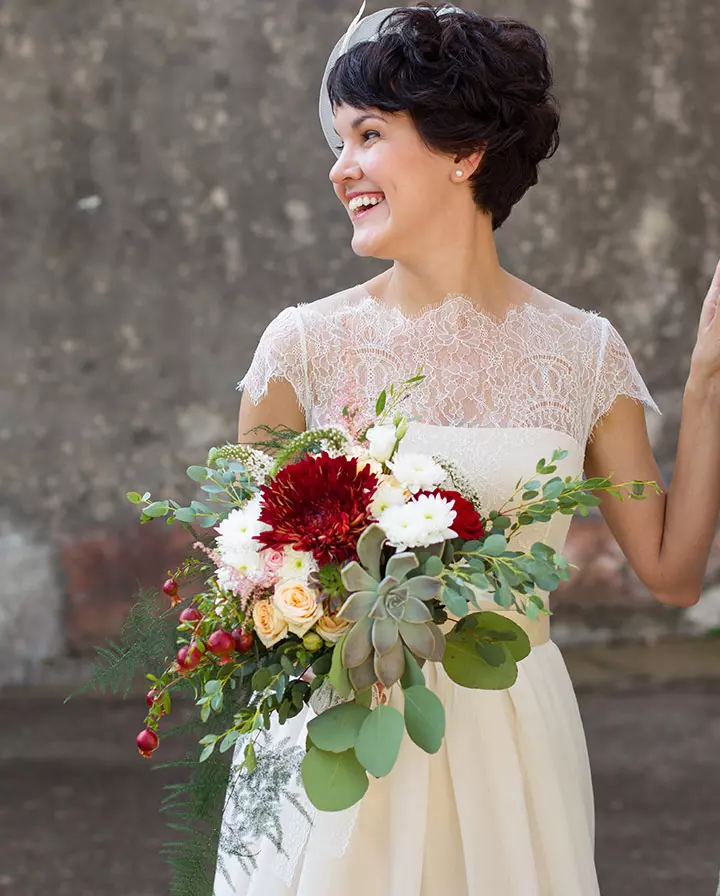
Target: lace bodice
x=551 y=367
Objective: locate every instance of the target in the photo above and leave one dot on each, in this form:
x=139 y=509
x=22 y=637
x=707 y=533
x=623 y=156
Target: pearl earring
x=459 y=172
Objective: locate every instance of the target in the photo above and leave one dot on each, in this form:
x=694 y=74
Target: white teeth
x=362 y=201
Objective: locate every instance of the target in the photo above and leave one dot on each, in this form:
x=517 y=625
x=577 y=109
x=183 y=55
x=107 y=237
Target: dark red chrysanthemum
x=319 y=504
x=467 y=523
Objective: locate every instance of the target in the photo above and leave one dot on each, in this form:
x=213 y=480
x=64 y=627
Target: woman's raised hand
x=705 y=361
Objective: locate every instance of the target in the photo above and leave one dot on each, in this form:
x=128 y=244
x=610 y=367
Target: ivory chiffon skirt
x=505 y=808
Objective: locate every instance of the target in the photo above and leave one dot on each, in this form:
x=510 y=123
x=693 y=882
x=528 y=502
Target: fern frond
x=146 y=639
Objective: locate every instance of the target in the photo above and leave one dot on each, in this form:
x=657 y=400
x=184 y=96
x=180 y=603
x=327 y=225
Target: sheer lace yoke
x=547 y=366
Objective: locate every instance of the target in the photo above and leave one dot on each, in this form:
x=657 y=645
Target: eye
x=366 y=135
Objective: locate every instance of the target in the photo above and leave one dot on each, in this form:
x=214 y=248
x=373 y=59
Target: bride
x=439 y=119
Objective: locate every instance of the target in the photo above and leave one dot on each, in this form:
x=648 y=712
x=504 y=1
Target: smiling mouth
x=363 y=210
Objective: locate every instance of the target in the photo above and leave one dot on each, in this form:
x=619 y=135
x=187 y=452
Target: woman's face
x=384 y=160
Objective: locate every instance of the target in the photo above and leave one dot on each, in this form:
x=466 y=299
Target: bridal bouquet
x=332 y=567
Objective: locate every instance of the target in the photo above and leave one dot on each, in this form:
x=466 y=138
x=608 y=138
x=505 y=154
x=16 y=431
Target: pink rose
x=272 y=559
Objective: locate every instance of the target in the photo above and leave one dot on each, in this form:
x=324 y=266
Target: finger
x=709 y=313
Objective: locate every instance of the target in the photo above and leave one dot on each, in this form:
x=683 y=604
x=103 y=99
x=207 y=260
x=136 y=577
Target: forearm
x=693 y=499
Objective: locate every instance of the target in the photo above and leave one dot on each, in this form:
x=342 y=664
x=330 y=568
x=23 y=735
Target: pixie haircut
x=468 y=83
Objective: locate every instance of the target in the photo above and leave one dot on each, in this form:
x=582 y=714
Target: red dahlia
x=467 y=524
x=319 y=504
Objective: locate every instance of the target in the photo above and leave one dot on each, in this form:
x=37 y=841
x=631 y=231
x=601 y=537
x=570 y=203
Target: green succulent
x=390 y=613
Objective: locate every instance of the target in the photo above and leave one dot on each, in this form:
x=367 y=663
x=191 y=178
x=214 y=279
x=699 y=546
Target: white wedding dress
x=505 y=808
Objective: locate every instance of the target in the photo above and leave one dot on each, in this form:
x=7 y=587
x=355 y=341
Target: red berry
x=221 y=643
x=147 y=742
x=150 y=697
x=188 y=658
x=190 y=614
x=243 y=640
x=224 y=659
x=170 y=587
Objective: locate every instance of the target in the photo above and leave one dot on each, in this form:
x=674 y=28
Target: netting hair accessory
x=360 y=29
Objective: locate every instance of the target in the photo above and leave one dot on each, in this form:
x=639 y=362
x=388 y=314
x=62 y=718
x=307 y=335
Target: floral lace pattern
x=536 y=367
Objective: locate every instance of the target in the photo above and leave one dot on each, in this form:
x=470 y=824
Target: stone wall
x=164 y=193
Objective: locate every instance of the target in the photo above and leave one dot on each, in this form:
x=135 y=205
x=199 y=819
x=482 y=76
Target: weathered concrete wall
x=163 y=193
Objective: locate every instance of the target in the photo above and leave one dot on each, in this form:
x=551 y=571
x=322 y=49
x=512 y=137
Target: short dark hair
x=468 y=82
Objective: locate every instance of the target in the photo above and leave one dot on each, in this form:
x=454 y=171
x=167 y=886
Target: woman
x=439 y=119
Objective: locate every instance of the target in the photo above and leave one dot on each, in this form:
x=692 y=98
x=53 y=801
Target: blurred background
x=163 y=194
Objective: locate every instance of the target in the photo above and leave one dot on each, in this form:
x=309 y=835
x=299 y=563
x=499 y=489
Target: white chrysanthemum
x=296 y=565
x=403 y=527
x=423 y=521
x=240 y=528
x=417 y=471
x=437 y=514
x=244 y=559
x=387 y=494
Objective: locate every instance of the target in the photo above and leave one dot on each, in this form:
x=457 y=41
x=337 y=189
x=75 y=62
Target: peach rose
x=299 y=606
x=270 y=625
x=331 y=628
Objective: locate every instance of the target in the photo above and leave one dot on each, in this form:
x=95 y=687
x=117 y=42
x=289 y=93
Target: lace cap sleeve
x=281 y=354
x=617 y=375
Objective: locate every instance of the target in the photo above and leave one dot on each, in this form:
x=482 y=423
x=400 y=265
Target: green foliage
x=312 y=441
x=424 y=718
x=389 y=400
x=483 y=651
x=337 y=729
x=378 y=743
x=146 y=638
x=333 y=781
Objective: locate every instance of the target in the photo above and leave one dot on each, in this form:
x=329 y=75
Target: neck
x=464 y=261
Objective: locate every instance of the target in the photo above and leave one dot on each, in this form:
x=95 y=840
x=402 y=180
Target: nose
x=346 y=168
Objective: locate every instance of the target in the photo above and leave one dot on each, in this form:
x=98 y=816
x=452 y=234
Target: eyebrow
x=356 y=122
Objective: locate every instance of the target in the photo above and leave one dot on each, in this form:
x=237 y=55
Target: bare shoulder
x=328 y=304
x=570 y=313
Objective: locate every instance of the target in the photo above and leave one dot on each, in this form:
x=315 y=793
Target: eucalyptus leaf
x=412 y=675
x=553 y=487
x=455 y=602
x=497 y=622
x=157 y=509
x=337 y=729
x=198 y=474
x=338 y=675
x=433 y=566
x=378 y=743
x=466 y=667
x=424 y=718
x=494 y=545
x=229 y=740
x=207 y=752
x=333 y=781
x=493 y=654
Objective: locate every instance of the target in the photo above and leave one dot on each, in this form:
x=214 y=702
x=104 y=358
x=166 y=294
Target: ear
x=474 y=158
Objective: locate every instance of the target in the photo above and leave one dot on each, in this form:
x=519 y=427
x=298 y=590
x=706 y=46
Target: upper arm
x=618 y=447
x=276 y=386
x=278 y=407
